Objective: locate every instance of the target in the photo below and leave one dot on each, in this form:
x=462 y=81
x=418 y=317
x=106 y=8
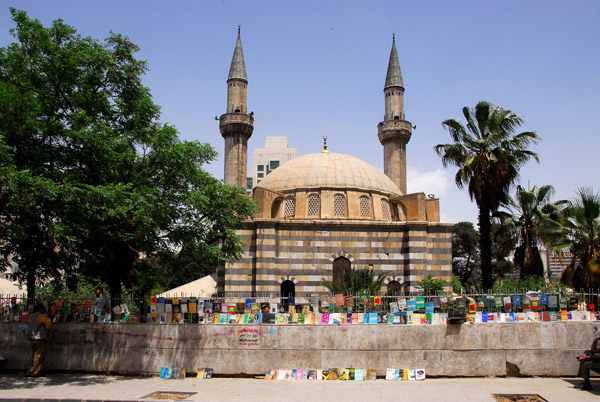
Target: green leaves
x=91 y=181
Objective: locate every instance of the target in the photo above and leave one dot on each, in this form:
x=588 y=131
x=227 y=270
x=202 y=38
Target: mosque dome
x=328 y=186
x=328 y=170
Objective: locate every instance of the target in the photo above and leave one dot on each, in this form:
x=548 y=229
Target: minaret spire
x=238 y=66
x=236 y=125
x=394 y=131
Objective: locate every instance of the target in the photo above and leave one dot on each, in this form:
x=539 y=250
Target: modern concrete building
x=323 y=213
x=264 y=160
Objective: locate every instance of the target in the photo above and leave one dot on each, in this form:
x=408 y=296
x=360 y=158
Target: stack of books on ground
x=172 y=372
x=404 y=374
x=205 y=373
x=332 y=374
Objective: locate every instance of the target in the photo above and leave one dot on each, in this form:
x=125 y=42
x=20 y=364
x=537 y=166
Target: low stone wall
x=535 y=349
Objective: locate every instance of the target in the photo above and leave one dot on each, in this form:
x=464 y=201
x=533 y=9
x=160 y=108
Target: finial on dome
x=324 y=151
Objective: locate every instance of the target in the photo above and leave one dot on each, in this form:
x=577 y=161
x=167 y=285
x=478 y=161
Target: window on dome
x=313 y=205
x=290 y=206
x=339 y=205
x=385 y=209
x=364 y=206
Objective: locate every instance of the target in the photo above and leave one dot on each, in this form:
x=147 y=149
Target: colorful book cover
x=394 y=307
x=299 y=374
x=271 y=375
x=553 y=316
x=402 y=304
x=169 y=373
x=360 y=318
x=411 y=375
x=412 y=305
x=478 y=317
x=409 y=317
x=429 y=308
x=535 y=303
x=544 y=300
x=339 y=300
x=564 y=315
x=373 y=375
x=333 y=374
x=312 y=374
x=352 y=374
x=344 y=374
x=490 y=302
x=359 y=375
x=200 y=373
x=390 y=374
x=343 y=318
x=398 y=375
x=573 y=303
x=301 y=318
x=481 y=303
x=295 y=318
x=377 y=300
x=428 y=318
x=293 y=373
x=324 y=374
x=304 y=374
x=390 y=318
x=291 y=301
x=349 y=301
x=420 y=302
x=517 y=300
x=484 y=316
x=325 y=318
x=511 y=317
x=424 y=319
x=498 y=301
x=306 y=309
x=373 y=318
x=419 y=374
x=472 y=307
x=163 y=372
x=552 y=301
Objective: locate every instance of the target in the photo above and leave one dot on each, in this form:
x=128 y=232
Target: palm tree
x=488 y=155
x=577 y=228
x=357 y=281
x=521 y=225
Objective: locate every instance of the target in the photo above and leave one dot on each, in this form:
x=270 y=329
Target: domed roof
x=328 y=170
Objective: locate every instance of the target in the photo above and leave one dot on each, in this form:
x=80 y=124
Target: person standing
x=38 y=335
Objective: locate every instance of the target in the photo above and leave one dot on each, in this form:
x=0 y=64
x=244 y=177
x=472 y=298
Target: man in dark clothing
x=590 y=360
x=38 y=335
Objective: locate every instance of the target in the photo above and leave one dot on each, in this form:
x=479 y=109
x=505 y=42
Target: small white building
x=264 y=160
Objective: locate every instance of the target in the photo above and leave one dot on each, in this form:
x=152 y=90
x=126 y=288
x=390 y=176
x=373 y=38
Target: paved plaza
x=90 y=387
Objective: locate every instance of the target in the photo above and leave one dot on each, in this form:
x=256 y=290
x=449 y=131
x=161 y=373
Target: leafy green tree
x=577 y=228
x=465 y=250
x=357 y=281
x=90 y=181
x=488 y=155
x=432 y=285
x=520 y=227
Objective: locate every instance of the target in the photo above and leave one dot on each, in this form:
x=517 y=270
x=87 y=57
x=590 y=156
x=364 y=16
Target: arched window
x=394 y=288
x=398 y=212
x=290 y=206
x=313 y=205
x=364 y=206
x=341 y=265
x=385 y=209
x=339 y=205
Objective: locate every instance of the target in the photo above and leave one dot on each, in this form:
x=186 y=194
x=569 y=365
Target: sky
x=317 y=68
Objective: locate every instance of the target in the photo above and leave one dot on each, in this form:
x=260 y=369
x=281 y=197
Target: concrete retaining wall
x=544 y=348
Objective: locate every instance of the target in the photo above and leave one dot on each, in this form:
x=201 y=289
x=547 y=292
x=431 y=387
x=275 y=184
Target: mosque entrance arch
x=341 y=265
x=287 y=289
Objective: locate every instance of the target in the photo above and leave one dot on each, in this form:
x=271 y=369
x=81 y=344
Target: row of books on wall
x=345 y=374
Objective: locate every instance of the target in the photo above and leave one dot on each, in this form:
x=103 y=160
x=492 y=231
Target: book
x=304 y=374
x=390 y=374
x=373 y=375
x=344 y=374
x=208 y=373
x=294 y=374
x=359 y=374
x=300 y=375
x=325 y=319
x=312 y=374
x=163 y=372
x=411 y=375
x=281 y=374
x=420 y=302
x=333 y=374
x=404 y=374
x=176 y=374
x=200 y=373
x=288 y=374
x=271 y=374
x=169 y=372
x=397 y=375
x=324 y=374
x=419 y=374
x=352 y=374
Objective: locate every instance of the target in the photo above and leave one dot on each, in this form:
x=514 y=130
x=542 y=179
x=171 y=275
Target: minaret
x=394 y=132
x=236 y=124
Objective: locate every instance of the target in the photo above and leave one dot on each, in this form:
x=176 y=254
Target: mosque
x=324 y=213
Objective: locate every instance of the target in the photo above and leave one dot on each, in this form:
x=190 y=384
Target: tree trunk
x=485 y=247
x=31 y=285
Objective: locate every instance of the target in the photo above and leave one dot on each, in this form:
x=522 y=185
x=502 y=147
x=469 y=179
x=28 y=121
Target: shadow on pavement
x=20 y=381
x=575 y=382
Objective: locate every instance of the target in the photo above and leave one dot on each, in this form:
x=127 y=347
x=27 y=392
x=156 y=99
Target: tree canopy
x=488 y=155
x=90 y=180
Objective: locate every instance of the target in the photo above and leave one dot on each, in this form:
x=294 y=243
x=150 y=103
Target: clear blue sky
x=317 y=68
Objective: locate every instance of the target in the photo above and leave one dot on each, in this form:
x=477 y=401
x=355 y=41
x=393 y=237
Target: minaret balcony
x=390 y=130
x=236 y=123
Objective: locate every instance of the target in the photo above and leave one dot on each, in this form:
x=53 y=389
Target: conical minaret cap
x=394 y=75
x=238 y=67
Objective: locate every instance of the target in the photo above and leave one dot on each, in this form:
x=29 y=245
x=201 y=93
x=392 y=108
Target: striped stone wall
x=304 y=251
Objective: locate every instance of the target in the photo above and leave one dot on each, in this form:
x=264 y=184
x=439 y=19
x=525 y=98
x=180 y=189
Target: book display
x=342 y=374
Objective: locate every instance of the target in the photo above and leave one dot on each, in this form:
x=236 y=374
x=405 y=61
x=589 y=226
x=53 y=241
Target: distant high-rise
x=265 y=160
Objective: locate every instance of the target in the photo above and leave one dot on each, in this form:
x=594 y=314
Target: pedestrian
x=38 y=335
x=590 y=360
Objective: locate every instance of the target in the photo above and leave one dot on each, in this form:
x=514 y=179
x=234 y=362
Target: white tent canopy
x=203 y=287
x=10 y=288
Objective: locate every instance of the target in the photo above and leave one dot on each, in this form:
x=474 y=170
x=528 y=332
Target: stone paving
x=91 y=387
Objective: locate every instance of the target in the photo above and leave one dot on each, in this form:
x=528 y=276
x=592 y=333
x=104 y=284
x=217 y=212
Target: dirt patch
x=518 y=398
x=170 y=395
